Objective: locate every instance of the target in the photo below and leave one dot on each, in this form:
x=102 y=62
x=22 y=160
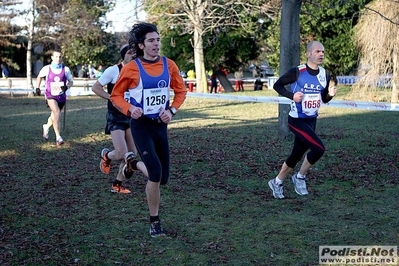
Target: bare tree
x=377 y=35
x=30 y=22
x=197 y=17
x=10 y=36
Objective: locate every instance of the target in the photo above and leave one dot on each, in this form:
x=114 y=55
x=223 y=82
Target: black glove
x=38 y=92
x=64 y=88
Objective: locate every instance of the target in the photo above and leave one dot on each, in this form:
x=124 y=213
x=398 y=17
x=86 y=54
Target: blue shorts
x=116 y=121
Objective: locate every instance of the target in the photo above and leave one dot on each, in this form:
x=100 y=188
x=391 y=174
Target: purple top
x=53 y=85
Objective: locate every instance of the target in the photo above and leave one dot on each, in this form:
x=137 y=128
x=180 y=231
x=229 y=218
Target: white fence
x=13 y=86
x=83 y=87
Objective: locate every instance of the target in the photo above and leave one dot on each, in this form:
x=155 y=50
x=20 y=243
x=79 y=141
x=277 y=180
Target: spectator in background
x=191 y=80
x=5 y=74
x=91 y=72
x=184 y=76
x=239 y=75
x=214 y=81
x=254 y=72
x=58 y=78
x=82 y=72
x=4 y=71
x=208 y=77
x=99 y=72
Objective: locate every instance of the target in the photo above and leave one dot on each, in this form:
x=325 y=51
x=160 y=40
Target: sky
x=124 y=15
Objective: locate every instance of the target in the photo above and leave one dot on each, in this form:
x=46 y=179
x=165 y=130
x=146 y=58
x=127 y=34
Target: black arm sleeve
x=289 y=77
x=325 y=97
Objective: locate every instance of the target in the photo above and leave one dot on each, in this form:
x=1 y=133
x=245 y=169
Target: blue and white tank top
x=153 y=92
x=312 y=88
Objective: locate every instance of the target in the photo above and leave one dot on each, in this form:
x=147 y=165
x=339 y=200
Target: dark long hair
x=137 y=35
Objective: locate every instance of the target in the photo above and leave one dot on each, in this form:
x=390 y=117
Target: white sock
x=300 y=176
x=278 y=181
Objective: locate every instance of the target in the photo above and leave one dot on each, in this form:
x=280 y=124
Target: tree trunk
x=395 y=92
x=201 y=81
x=29 y=48
x=289 y=53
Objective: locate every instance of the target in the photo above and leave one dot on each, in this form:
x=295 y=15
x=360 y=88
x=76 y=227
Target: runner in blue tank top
x=309 y=87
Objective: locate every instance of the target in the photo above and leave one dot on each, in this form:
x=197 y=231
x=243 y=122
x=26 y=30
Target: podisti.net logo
x=366 y=255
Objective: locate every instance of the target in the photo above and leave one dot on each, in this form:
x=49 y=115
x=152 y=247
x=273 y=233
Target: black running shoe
x=156 y=229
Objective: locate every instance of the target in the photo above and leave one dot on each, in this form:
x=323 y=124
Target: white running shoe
x=277 y=189
x=60 y=141
x=300 y=185
x=45 y=132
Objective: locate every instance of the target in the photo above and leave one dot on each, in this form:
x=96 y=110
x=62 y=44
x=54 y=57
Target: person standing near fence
x=214 y=82
x=254 y=72
x=191 y=80
x=149 y=79
x=4 y=71
x=118 y=125
x=82 y=72
x=99 y=71
x=58 y=78
x=5 y=74
x=239 y=75
x=309 y=86
x=91 y=71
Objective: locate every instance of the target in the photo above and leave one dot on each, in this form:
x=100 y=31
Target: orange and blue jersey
x=148 y=84
x=152 y=93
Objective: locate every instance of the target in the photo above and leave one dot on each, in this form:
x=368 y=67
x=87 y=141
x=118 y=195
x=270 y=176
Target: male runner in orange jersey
x=149 y=79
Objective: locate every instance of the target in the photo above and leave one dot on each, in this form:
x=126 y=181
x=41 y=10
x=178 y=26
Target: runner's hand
x=165 y=115
x=135 y=112
x=332 y=91
x=298 y=96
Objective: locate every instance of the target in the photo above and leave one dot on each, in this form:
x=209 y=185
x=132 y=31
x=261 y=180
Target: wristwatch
x=172 y=110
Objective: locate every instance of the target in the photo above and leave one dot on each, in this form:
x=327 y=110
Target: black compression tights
x=305 y=139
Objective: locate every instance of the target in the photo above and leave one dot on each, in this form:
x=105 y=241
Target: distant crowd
x=88 y=71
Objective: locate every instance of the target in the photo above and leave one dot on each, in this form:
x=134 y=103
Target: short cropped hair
x=310 y=45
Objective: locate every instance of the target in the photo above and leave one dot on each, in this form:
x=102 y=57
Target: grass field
x=57 y=209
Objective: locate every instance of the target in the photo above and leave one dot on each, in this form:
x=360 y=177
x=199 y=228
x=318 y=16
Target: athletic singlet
x=152 y=93
x=110 y=87
x=55 y=81
x=312 y=88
